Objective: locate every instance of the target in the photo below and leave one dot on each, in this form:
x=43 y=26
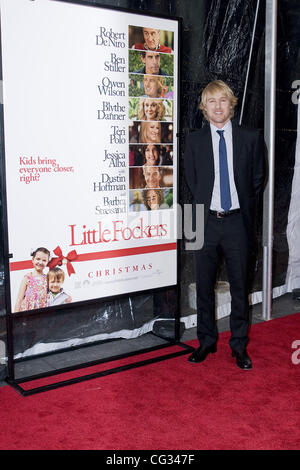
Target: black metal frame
x=16 y=383
x=185 y=349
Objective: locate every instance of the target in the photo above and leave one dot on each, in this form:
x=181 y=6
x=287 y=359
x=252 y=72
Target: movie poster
x=90 y=124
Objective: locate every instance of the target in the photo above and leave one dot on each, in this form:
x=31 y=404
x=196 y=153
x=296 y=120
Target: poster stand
x=88 y=370
x=17 y=383
x=174 y=346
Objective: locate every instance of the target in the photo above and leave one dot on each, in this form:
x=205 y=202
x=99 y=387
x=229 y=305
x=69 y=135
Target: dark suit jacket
x=248 y=166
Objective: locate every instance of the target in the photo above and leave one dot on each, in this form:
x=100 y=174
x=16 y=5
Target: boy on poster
x=56 y=293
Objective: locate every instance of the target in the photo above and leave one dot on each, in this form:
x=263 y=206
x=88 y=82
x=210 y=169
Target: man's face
x=152 y=62
x=151 y=86
x=218 y=108
x=152 y=177
x=151 y=37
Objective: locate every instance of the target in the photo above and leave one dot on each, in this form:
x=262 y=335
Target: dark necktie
x=224 y=175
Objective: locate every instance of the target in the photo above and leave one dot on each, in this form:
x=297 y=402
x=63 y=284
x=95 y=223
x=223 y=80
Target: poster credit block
x=90 y=124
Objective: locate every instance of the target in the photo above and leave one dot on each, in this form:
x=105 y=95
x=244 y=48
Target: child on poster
x=56 y=294
x=33 y=289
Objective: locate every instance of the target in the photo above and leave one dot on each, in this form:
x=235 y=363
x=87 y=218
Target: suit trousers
x=223 y=237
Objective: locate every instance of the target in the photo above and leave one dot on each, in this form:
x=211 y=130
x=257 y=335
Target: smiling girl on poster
x=33 y=289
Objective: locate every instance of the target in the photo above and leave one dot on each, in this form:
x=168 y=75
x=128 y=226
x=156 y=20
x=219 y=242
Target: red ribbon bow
x=60 y=257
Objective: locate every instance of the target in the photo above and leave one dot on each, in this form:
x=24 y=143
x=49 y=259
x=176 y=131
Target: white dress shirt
x=216 y=195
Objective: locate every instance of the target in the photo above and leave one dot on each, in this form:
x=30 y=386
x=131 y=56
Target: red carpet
x=171 y=405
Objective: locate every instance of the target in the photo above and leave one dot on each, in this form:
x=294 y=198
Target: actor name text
x=118 y=135
x=111 y=88
x=108 y=37
x=110 y=183
x=111 y=206
x=116 y=159
x=111 y=112
x=115 y=64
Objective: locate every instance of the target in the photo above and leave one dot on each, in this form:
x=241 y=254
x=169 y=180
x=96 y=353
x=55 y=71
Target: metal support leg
x=270 y=120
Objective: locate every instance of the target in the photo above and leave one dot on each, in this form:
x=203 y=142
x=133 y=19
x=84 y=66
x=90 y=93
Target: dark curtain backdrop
x=216 y=38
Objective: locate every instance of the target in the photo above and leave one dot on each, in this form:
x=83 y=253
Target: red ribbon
x=60 y=257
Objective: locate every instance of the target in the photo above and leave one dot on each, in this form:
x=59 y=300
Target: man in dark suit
x=225 y=171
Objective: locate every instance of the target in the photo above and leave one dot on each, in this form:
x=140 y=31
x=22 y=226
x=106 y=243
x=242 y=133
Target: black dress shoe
x=200 y=354
x=243 y=361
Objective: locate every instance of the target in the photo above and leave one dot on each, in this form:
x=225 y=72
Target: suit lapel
x=208 y=160
x=236 y=150
x=208 y=150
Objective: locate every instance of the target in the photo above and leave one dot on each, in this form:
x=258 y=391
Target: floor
x=282 y=306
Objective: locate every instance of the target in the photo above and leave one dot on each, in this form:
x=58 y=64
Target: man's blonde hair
x=213 y=87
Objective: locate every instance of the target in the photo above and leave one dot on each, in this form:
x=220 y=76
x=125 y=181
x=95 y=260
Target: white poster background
x=293 y=227
x=52 y=67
